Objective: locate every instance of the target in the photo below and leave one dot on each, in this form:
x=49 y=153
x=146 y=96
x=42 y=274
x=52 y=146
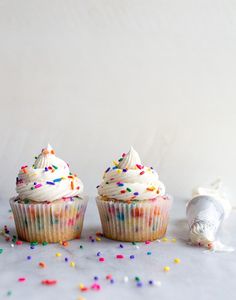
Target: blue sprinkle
x=121 y=246
x=149 y=253
x=114 y=168
x=57 y=180
x=28 y=257
x=95 y=278
x=136 y=194
x=112 y=281
x=66 y=259
x=99 y=254
x=107 y=170
x=131 y=257
x=124 y=170
x=32 y=247
x=150 y=282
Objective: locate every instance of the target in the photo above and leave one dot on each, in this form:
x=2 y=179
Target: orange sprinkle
x=42 y=264
x=65 y=244
x=52 y=152
x=72 y=185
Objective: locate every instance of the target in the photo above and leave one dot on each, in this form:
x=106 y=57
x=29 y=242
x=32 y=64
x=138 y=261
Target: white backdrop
x=94 y=77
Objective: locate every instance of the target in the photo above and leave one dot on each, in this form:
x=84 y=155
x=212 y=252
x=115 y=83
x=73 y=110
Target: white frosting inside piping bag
x=206 y=212
x=217 y=192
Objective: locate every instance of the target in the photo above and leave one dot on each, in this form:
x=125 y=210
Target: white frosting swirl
x=48 y=179
x=130 y=180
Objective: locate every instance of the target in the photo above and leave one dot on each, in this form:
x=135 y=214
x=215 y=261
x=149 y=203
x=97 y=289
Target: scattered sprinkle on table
x=166 y=269
x=177 y=260
x=21 y=279
x=49 y=282
x=72 y=264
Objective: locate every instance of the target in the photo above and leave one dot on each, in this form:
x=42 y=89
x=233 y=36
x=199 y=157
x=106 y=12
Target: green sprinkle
x=120 y=159
x=34 y=243
x=134 y=243
x=1 y=251
x=55 y=167
x=44 y=243
x=128 y=189
x=136 y=278
x=81 y=246
x=9 y=293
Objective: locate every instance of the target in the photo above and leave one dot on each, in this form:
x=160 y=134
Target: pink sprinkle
x=147 y=242
x=96 y=287
x=21 y=279
x=19 y=243
x=38 y=185
x=101 y=259
x=141 y=173
x=120 y=256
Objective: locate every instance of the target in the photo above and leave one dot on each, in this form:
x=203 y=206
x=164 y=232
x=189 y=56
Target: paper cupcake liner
x=54 y=222
x=136 y=221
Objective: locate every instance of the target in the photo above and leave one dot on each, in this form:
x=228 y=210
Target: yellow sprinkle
x=173 y=240
x=98 y=239
x=177 y=260
x=115 y=163
x=165 y=239
x=166 y=269
x=58 y=254
x=119 y=171
x=81 y=285
x=72 y=264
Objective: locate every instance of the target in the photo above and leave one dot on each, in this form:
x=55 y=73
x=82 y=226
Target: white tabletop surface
x=199 y=275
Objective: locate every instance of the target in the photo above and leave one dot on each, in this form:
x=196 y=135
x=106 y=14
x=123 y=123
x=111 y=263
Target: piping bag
x=206 y=212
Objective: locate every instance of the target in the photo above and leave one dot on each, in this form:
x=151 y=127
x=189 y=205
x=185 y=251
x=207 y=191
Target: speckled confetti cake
x=50 y=206
x=132 y=202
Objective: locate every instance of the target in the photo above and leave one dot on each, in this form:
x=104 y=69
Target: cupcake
x=49 y=206
x=132 y=202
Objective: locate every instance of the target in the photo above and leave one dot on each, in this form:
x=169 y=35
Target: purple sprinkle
x=92 y=240
x=95 y=278
x=32 y=247
x=139 y=284
x=150 y=282
x=121 y=246
x=112 y=281
x=28 y=257
x=136 y=194
x=99 y=254
x=49 y=182
x=131 y=257
x=107 y=170
x=97 y=186
x=46 y=169
x=35 y=183
x=66 y=259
